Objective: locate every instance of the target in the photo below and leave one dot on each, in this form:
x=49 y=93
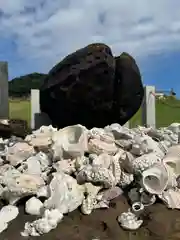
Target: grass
x=167 y=111
x=20 y=109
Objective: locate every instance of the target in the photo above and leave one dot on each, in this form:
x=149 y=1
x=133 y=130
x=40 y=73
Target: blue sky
x=36 y=34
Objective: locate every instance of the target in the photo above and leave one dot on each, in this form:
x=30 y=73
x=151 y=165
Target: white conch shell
x=41 y=141
x=49 y=221
x=96 y=174
x=172 y=158
x=101 y=134
x=7 y=171
x=18 y=153
x=66 y=166
x=41 y=137
x=73 y=141
x=109 y=194
x=141 y=163
x=164 y=146
x=101 y=204
x=171 y=198
x=145 y=144
x=31 y=166
x=36 y=164
x=44 y=160
x=103 y=160
x=81 y=162
x=4 y=121
x=128 y=220
x=7 y=214
x=115 y=167
x=65 y=194
x=127 y=162
x=90 y=201
x=97 y=146
x=34 y=206
x=43 y=192
x=3 y=226
x=21 y=185
x=174 y=127
x=125 y=179
x=119 y=132
x=46 y=130
x=156 y=179
x=29 y=182
x=137 y=208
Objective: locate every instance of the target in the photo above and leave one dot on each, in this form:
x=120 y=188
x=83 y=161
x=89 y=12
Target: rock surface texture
x=92 y=88
x=123 y=192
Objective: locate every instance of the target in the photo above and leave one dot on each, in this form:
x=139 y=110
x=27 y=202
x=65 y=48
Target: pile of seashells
x=74 y=167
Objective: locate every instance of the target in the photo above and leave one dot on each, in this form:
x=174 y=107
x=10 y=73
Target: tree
x=21 y=86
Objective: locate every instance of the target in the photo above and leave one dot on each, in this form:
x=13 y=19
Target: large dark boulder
x=88 y=87
x=129 y=90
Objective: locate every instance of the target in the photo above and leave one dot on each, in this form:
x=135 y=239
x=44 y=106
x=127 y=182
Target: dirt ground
x=160 y=223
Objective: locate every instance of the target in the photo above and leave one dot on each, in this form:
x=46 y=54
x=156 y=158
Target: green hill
x=21 y=86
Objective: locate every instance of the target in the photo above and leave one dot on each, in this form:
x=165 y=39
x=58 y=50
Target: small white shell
x=137 y=208
x=96 y=174
x=129 y=221
x=65 y=193
x=73 y=140
x=90 y=201
x=97 y=146
x=18 y=153
x=33 y=206
x=7 y=214
x=49 y=221
x=66 y=166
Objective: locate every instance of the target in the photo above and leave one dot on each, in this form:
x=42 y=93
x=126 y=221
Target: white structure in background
x=37 y=118
x=160 y=95
x=165 y=93
x=148 y=109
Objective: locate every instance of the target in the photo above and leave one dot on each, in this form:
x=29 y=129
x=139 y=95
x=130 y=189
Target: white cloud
x=47 y=30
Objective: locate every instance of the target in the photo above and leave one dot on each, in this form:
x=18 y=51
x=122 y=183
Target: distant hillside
x=21 y=86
